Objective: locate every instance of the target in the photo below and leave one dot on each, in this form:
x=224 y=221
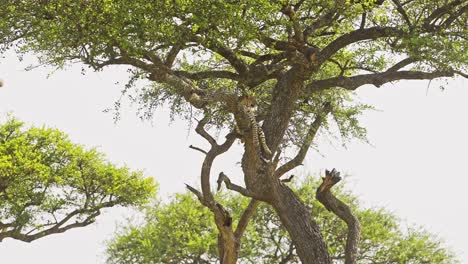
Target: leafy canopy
x=239 y=46
x=49 y=184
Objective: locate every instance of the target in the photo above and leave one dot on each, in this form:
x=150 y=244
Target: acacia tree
x=295 y=62
x=163 y=238
x=49 y=185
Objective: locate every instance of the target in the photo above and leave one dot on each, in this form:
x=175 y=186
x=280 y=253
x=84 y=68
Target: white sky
x=415 y=168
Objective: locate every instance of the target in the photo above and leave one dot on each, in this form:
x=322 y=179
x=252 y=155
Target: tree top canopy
x=209 y=52
x=49 y=185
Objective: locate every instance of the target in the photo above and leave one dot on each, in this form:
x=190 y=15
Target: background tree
x=234 y=62
x=163 y=238
x=49 y=185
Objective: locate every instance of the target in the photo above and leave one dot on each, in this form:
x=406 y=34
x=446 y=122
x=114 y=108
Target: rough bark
x=293 y=213
x=304 y=231
x=229 y=239
x=343 y=211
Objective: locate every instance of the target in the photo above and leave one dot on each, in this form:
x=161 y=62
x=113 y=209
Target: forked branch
x=231 y=186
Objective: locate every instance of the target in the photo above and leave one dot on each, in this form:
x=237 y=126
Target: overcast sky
x=415 y=167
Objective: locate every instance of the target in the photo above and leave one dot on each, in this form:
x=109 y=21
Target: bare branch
x=197 y=193
x=199 y=149
x=299 y=158
x=341 y=210
x=289 y=179
x=231 y=186
x=200 y=129
x=245 y=218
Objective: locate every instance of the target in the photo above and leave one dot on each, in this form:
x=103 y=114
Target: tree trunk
x=228 y=248
x=304 y=231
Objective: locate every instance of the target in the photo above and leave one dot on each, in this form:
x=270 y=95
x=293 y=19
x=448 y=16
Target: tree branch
x=403 y=13
x=197 y=193
x=341 y=210
x=172 y=55
x=231 y=57
x=356 y=36
x=198 y=149
x=245 y=218
x=299 y=158
x=377 y=79
x=440 y=12
x=200 y=129
x=401 y=64
x=58 y=227
x=231 y=186
x=208 y=75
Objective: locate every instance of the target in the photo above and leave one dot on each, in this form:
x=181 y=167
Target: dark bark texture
x=304 y=231
x=343 y=211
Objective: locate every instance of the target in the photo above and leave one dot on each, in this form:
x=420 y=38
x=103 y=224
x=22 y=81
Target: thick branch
x=208 y=75
x=172 y=55
x=245 y=218
x=402 y=12
x=356 y=36
x=200 y=129
x=341 y=210
x=284 y=95
x=180 y=81
x=215 y=150
x=231 y=57
x=231 y=186
x=377 y=79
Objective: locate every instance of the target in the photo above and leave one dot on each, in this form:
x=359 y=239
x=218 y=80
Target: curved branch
x=356 y=36
x=58 y=227
x=377 y=79
x=231 y=186
x=200 y=129
x=341 y=210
